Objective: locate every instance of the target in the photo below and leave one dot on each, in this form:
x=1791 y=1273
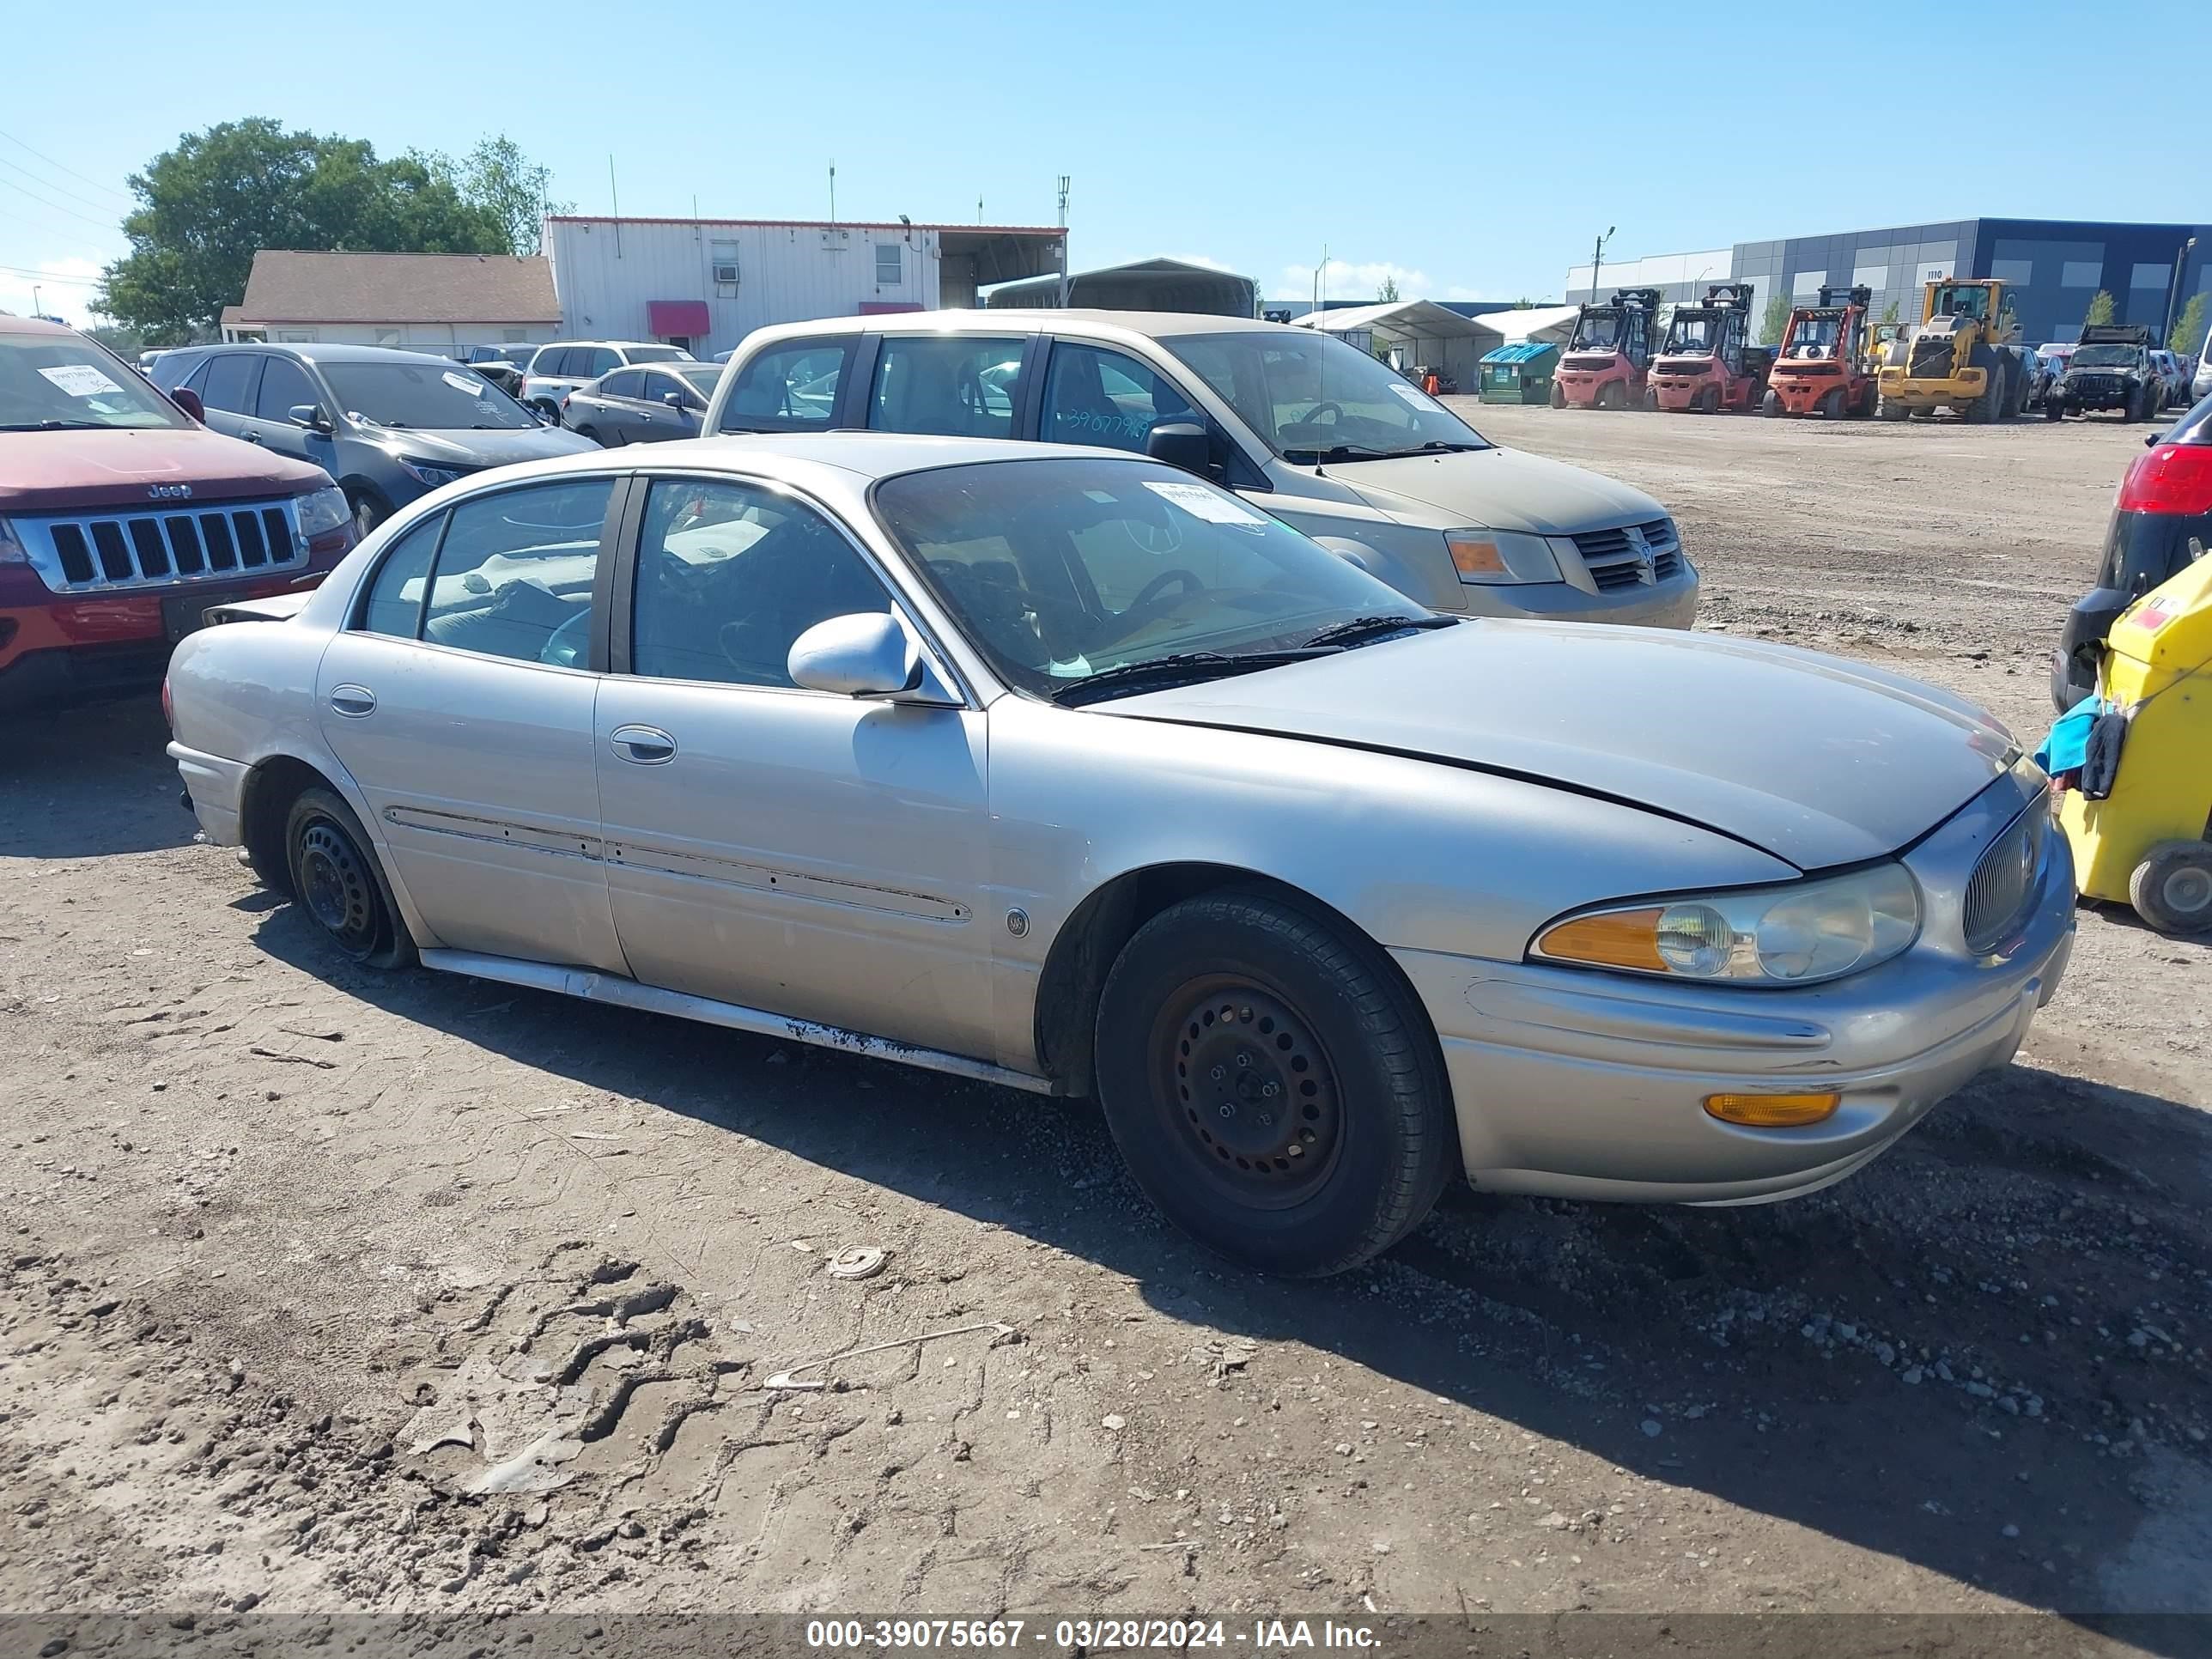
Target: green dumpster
x=1519 y=374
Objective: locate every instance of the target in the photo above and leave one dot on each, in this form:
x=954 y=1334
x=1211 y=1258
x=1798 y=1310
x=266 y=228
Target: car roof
x=14 y=324
x=798 y=457
x=626 y=345
x=1155 y=325
x=314 y=353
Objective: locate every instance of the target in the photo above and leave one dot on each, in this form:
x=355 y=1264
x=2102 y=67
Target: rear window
x=654 y=353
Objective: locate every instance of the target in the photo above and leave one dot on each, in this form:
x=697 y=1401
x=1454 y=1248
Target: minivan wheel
x=335 y=879
x=1274 y=1086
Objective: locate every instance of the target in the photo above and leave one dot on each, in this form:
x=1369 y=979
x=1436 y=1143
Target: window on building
x=2151 y=275
x=2018 y=272
x=514 y=336
x=298 y=335
x=2081 y=273
x=725 y=259
x=1873 y=277
x=891 y=264
x=387 y=337
x=1804 y=286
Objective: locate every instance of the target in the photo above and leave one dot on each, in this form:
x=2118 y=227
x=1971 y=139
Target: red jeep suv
x=122 y=519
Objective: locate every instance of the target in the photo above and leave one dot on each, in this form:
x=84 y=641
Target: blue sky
x=1473 y=150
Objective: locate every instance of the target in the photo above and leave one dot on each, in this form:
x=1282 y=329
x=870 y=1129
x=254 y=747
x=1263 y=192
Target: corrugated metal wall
x=785 y=275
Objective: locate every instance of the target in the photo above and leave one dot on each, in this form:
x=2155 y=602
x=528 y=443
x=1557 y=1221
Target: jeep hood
x=62 y=471
x=1498 y=488
x=1814 y=759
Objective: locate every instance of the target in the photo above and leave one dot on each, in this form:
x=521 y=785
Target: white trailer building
x=704 y=284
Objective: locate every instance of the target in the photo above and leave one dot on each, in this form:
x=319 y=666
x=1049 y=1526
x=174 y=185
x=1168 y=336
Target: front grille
x=74 y=554
x=2093 y=385
x=1615 y=559
x=1812 y=366
x=2004 y=881
x=1592 y=363
x=1930 y=357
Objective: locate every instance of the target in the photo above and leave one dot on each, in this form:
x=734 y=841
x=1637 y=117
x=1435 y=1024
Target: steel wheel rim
x=1250 y=1094
x=2187 y=891
x=337 y=887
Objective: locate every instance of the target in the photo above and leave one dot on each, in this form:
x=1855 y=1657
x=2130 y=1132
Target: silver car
x=1064 y=770
x=1304 y=427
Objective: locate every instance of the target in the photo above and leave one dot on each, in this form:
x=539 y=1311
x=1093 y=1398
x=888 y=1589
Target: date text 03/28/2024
x=1264 y=1636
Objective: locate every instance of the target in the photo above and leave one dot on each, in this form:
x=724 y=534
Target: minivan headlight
x=1798 y=935
x=323 y=511
x=1501 y=556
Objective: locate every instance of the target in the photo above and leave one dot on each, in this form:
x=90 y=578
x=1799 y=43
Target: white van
x=1307 y=428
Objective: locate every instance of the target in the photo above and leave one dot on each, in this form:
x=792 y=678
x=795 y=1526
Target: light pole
x=38 y=304
x=2173 y=302
x=1597 y=260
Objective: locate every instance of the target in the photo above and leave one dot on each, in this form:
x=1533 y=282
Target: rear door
x=460 y=700
x=822 y=857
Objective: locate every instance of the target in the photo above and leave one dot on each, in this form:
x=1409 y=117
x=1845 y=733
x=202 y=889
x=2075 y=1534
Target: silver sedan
x=1067 y=770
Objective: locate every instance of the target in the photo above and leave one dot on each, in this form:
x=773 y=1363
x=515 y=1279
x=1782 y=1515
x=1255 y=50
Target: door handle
x=352 y=701
x=647 y=745
x=251 y=436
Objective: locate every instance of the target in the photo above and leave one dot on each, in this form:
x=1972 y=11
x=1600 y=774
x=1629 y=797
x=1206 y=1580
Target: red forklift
x=1708 y=364
x=1609 y=357
x=1825 y=368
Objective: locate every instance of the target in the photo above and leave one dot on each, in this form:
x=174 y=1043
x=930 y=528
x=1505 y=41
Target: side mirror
x=866 y=654
x=673 y=399
x=189 y=400
x=311 y=416
x=1180 y=444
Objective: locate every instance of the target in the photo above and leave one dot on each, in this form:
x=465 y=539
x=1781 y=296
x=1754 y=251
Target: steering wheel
x=1190 y=580
x=564 y=646
x=1312 y=417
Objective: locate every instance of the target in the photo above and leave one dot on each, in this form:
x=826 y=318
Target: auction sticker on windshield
x=1203 y=504
x=1415 y=396
x=80 y=379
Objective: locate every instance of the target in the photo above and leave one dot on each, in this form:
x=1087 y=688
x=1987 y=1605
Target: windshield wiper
x=1182 y=668
x=1364 y=630
x=55 y=426
x=1434 y=446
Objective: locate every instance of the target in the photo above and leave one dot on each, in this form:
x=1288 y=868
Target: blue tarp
x=2068 y=744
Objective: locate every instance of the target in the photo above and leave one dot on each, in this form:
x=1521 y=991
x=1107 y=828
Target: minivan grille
x=2004 y=881
x=98 y=554
x=1611 y=556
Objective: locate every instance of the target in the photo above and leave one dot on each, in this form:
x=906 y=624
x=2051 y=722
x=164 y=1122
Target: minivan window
x=789 y=388
x=1314 y=398
x=229 y=382
x=60 y=380
x=654 y=353
x=946 y=385
x=1093 y=396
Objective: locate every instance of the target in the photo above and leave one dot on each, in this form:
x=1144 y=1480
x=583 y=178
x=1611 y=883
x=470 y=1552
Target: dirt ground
x=328 y=1291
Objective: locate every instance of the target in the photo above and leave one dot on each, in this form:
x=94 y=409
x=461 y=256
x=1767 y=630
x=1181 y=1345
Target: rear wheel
x=336 y=881
x=1832 y=406
x=1273 y=1085
x=1771 y=403
x=2172 y=888
x=1708 y=401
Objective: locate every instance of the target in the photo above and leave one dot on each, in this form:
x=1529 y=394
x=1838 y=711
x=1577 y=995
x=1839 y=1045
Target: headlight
x=1501 y=556
x=427 y=472
x=323 y=512
x=1798 y=935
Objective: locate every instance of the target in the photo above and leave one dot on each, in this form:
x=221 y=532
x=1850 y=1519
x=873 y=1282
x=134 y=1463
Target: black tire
x=2052 y=409
x=1833 y=405
x=1770 y=405
x=1884 y=410
x=2172 y=888
x=1651 y=400
x=1708 y=401
x=1559 y=396
x=370 y=509
x=1613 y=395
x=1314 y=1019
x=336 y=881
x=1990 y=406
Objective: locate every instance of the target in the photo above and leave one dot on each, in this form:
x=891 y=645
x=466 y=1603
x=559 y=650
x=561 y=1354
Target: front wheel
x=1886 y=409
x=1651 y=401
x=2172 y=888
x=1613 y=395
x=1559 y=396
x=1273 y=1085
x=2052 y=409
x=1770 y=405
x=335 y=880
x=369 y=510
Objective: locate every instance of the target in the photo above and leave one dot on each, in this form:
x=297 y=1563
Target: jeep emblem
x=176 y=492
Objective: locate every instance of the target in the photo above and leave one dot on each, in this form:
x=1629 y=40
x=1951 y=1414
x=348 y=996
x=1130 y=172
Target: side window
x=789 y=388
x=284 y=383
x=552 y=360
x=1092 y=396
x=598 y=360
x=658 y=387
x=949 y=385
x=628 y=384
x=230 y=381
x=730 y=574
x=515 y=574
x=395 y=598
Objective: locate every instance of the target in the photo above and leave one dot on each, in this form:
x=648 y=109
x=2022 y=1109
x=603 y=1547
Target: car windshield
x=2103 y=357
x=654 y=353
x=54 y=382
x=1062 y=570
x=701 y=376
x=441 y=396
x=1311 y=398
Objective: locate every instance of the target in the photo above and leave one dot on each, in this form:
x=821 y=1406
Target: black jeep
x=2109 y=369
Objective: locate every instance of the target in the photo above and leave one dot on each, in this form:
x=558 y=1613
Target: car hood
x=1814 y=759
x=60 y=472
x=1500 y=489
x=471 y=448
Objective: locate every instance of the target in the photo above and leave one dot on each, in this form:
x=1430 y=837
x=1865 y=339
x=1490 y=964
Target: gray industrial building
x=2056 y=267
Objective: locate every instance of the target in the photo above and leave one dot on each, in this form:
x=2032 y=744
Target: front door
x=285 y=386
x=816 y=856
x=460 y=701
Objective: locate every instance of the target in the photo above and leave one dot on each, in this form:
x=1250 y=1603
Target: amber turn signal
x=1774 y=1111
x=1473 y=558
x=1616 y=938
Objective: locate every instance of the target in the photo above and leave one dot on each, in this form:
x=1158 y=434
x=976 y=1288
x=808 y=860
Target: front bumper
x=1670 y=604
x=1583 y=1085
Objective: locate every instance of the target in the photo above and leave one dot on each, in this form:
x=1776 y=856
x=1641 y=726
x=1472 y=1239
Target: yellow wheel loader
x=1963 y=354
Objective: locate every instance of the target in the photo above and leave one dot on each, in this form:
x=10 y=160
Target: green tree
x=499 y=178
x=1774 y=319
x=2189 y=328
x=209 y=204
x=2100 y=309
x=1387 y=292
x=1890 y=315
